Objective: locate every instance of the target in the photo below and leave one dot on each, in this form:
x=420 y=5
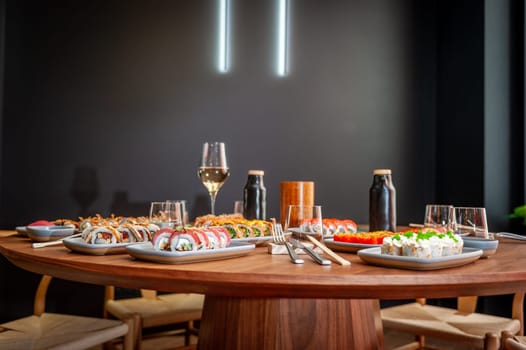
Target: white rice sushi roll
x=214 y=239
x=224 y=236
x=152 y=228
x=392 y=245
x=127 y=234
x=200 y=236
x=436 y=246
x=161 y=239
x=387 y=246
x=421 y=249
x=184 y=241
x=144 y=232
x=103 y=235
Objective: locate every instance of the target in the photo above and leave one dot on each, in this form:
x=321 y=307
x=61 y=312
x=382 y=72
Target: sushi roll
x=350 y=226
x=232 y=230
x=127 y=234
x=200 y=236
x=152 y=227
x=392 y=245
x=184 y=241
x=436 y=246
x=103 y=235
x=224 y=236
x=161 y=239
x=244 y=231
x=144 y=232
x=214 y=240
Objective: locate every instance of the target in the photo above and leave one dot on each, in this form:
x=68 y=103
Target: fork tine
x=274 y=231
x=280 y=233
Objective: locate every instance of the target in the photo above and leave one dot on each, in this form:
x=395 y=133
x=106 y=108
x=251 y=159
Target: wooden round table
x=263 y=301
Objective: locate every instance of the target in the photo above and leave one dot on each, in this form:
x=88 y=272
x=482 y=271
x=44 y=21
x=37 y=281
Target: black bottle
x=382 y=202
x=255 y=196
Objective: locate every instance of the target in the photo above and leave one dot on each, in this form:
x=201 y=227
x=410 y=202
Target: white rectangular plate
x=375 y=257
x=79 y=245
x=147 y=252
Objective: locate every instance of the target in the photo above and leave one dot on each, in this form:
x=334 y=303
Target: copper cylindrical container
x=295 y=193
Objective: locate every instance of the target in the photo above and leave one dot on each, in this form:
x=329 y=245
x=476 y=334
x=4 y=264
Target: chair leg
x=188 y=332
x=491 y=341
x=421 y=341
x=132 y=339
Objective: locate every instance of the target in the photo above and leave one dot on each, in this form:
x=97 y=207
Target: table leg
x=273 y=323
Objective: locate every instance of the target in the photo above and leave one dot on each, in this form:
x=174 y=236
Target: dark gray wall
x=130 y=91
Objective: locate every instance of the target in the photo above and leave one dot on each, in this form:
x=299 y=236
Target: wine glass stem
x=213 y=202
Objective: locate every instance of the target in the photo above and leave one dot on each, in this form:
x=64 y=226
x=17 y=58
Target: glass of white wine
x=213 y=170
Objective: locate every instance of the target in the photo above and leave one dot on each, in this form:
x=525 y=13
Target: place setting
x=448 y=238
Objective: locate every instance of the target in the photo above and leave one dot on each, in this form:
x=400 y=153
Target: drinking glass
x=305 y=218
x=471 y=222
x=166 y=214
x=213 y=169
x=184 y=210
x=440 y=217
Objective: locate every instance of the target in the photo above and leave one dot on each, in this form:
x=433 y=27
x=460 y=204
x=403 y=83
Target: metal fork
x=279 y=238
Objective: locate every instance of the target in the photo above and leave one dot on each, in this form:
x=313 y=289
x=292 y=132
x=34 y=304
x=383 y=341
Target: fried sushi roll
x=102 y=235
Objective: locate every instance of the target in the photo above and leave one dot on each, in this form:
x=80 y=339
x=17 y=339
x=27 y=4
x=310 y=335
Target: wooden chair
x=462 y=325
x=153 y=310
x=57 y=331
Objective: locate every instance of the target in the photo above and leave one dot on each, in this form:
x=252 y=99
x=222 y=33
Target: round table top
x=260 y=274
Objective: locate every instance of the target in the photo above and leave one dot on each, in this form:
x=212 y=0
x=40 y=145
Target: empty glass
x=471 y=222
x=166 y=214
x=440 y=217
x=184 y=210
x=305 y=218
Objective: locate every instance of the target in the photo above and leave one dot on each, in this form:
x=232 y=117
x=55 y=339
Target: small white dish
x=48 y=233
x=21 y=230
x=488 y=246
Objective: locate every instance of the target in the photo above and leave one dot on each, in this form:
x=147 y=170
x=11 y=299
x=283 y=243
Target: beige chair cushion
x=58 y=331
x=172 y=308
x=446 y=323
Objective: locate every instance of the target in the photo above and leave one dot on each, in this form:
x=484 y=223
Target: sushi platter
x=374 y=256
x=346 y=246
x=79 y=245
x=149 y=253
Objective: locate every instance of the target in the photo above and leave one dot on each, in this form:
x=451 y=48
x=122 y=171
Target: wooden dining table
x=263 y=301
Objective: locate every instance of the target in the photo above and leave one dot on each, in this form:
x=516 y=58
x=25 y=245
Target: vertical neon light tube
x=224 y=36
x=283 y=37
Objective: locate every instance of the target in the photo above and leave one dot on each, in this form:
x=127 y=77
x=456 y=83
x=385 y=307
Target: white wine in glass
x=213 y=170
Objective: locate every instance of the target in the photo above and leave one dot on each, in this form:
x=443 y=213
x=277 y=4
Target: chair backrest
x=109 y=294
